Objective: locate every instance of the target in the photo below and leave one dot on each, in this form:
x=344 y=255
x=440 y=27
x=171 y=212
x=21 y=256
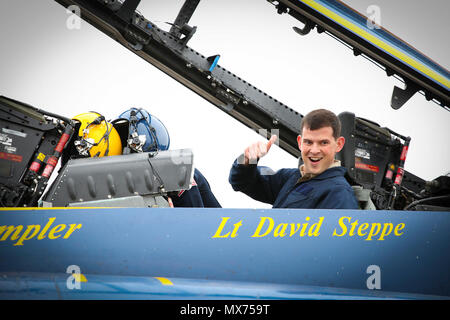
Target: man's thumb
x=271 y=141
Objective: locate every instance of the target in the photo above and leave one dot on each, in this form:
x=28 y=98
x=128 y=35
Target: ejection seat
x=355 y=149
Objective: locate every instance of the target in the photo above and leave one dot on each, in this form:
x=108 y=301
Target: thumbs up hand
x=258 y=150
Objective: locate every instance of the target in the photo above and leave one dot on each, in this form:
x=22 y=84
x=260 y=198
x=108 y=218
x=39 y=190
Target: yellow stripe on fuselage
x=164 y=281
x=79 y=277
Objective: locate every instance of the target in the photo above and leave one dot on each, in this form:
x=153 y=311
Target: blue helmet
x=146 y=133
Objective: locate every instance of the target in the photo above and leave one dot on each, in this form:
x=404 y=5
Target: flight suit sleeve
x=208 y=198
x=258 y=182
x=198 y=196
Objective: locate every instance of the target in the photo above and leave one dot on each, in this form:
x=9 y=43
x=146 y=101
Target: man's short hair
x=321 y=118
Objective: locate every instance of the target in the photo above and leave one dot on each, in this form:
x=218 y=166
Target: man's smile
x=315 y=159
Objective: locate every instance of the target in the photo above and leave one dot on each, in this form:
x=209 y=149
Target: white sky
x=45 y=64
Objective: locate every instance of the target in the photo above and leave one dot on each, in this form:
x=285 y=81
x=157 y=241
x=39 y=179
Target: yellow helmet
x=96 y=136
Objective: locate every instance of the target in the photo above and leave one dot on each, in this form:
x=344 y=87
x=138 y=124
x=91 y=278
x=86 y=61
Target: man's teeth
x=314 y=159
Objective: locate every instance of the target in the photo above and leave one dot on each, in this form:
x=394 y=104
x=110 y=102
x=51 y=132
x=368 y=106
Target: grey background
x=45 y=64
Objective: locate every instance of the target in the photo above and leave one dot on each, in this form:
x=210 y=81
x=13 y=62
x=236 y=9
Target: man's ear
x=340 y=143
x=299 y=142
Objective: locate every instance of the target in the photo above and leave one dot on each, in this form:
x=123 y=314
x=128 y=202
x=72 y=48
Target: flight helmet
x=146 y=133
x=96 y=136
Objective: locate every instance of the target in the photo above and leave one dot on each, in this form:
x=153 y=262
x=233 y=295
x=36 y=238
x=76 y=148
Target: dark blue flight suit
x=285 y=189
x=199 y=196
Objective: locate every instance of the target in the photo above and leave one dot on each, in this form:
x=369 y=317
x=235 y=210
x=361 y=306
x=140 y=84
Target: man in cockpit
x=318 y=183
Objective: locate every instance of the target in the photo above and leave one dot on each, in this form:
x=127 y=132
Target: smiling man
x=318 y=183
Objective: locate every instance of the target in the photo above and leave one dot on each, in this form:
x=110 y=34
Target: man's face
x=318 y=148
